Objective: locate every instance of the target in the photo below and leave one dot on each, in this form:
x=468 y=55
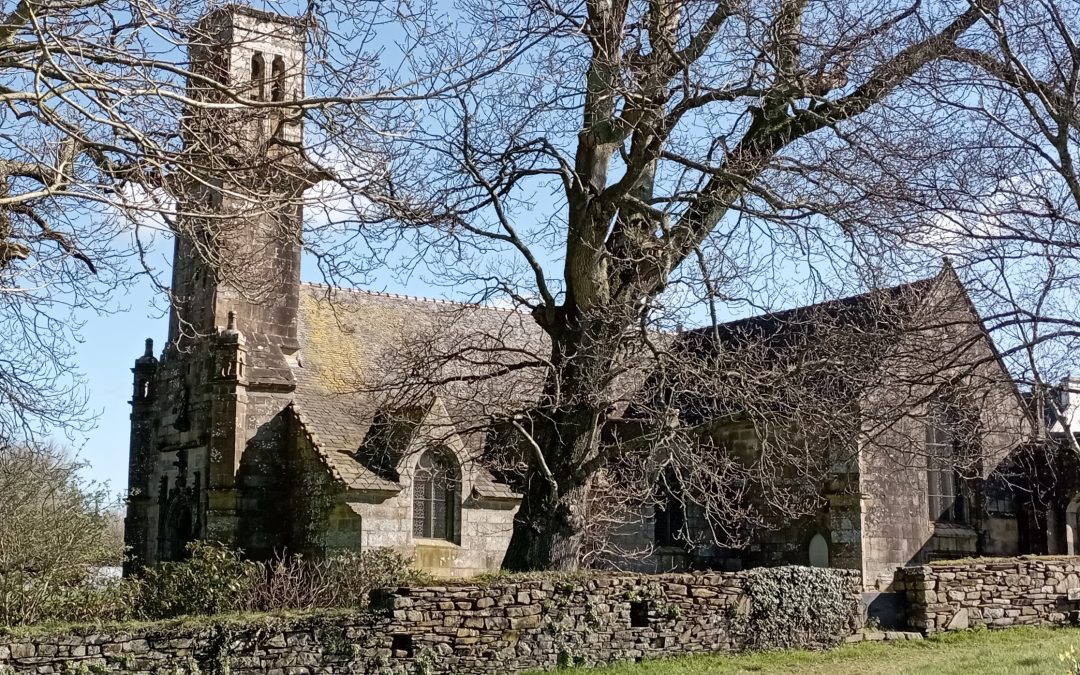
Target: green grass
x=1019 y=651
x=990 y=560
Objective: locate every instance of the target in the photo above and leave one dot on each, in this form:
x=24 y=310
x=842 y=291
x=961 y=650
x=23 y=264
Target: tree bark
x=621 y=251
x=547 y=529
x=549 y=526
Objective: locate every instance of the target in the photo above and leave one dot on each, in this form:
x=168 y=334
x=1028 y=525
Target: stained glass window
x=436 y=496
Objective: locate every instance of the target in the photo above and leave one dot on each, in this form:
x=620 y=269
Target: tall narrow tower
x=238 y=225
x=236 y=282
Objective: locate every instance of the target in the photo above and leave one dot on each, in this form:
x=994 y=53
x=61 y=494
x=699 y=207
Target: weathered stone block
x=959 y=621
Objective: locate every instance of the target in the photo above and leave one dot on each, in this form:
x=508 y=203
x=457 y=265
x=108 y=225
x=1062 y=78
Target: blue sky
x=109 y=349
x=113 y=341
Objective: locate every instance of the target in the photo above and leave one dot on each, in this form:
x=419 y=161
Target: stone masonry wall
x=500 y=628
x=994 y=593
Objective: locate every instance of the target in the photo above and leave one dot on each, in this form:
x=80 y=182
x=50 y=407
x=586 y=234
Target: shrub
x=342 y=580
x=356 y=574
x=54 y=534
x=217 y=579
x=109 y=601
x=796 y=607
x=214 y=579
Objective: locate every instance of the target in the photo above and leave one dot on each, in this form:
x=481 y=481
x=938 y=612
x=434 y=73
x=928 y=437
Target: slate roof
x=877 y=309
x=828 y=349
x=266 y=364
x=352 y=377
x=359 y=350
x=338 y=458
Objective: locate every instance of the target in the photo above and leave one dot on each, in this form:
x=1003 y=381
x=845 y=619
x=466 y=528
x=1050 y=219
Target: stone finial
x=231 y=326
x=147 y=359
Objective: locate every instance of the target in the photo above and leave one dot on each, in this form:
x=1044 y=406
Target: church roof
x=832 y=349
x=370 y=363
x=777 y=331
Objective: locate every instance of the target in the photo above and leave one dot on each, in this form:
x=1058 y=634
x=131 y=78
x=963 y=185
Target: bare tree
x=1013 y=215
x=115 y=120
x=737 y=428
x=56 y=532
x=648 y=162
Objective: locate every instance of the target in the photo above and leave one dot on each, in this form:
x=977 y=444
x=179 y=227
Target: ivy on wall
x=795 y=607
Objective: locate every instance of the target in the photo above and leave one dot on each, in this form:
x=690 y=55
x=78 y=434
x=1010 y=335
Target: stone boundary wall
x=993 y=593
x=503 y=627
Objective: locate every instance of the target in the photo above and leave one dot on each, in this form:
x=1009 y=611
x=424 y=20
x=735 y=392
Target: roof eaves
x=371 y=483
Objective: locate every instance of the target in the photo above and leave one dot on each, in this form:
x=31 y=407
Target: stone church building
x=255 y=425
x=929 y=473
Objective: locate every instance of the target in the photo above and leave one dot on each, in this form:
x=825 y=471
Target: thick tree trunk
x=548 y=532
x=549 y=526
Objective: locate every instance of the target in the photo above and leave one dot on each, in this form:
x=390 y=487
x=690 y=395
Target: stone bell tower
x=238 y=248
x=235 y=290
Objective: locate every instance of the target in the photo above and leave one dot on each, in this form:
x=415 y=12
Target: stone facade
x=786 y=543
x=876 y=514
x=367 y=520
x=251 y=428
x=992 y=593
x=502 y=628
x=243 y=431
x=216 y=390
x=896 y=526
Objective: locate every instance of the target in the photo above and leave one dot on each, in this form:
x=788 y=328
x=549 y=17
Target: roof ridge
x=779 y=313
x=413 y=298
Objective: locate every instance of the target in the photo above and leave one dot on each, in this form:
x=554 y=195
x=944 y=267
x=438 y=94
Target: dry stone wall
x=498 y=628
x=993 y=593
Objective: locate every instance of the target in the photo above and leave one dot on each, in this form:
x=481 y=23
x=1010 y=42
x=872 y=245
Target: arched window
x=950 y=440
x=258 y=76
x=277 y=75
x=437 y=496
x=277 y=94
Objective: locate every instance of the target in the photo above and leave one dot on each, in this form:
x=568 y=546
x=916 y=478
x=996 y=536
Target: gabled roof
x=875 y=310
x=362 y=351
x=389 y=438
x=340 y=460
x=352 y=395
x=816 y=355
x=835 y=349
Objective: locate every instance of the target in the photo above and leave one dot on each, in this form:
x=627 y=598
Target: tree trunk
x=548 y=530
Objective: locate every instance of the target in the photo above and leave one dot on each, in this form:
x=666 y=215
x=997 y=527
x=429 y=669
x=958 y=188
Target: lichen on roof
x=367 y=359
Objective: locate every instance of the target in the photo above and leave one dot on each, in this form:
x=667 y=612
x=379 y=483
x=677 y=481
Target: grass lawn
x=1015 y=651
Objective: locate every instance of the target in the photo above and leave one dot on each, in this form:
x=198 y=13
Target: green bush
x=217 y=579
x=213 y=580
x=109 y=601
x=55 y=529
x=795 y=607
